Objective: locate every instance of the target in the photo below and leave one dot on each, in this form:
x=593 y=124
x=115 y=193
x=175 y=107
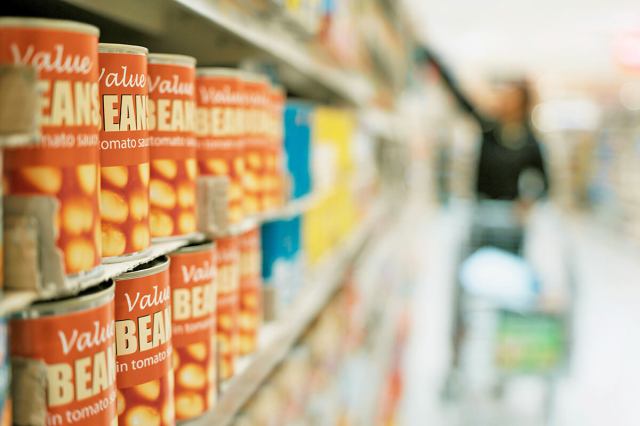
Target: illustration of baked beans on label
x=124 y=150
x=254 y=91
x=172 y=143
x=65 y=165
x=250 y=291
x=78 y=349
x=193 y=274
x=227 y=304
x=220 y=132
x=273 y=181
x=143 y=347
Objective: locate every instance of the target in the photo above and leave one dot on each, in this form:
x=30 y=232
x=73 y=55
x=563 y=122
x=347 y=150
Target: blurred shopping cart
x=498 y=298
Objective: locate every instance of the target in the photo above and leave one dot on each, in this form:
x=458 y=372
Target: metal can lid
x=172 y=59
x=122 y=48
x=154 y=266
x=196 y=247
x=219 y=71
x=90 y=298
x=58 y=24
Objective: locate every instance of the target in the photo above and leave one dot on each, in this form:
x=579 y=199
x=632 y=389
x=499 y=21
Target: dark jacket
x=500 y=164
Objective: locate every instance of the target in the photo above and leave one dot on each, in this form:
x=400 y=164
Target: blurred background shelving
x=357 y=53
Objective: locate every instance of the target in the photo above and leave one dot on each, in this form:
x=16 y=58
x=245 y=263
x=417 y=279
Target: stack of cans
x=124 y=135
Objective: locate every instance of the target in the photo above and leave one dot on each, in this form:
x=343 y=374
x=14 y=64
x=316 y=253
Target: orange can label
x=172 y=149
x=250 y=292
x=124 y=153
x=220 y=129
x=65 y=164
x=194 y=317
x=273 y=180
x=79 y=351
x=144 y=350
x=255 y=118
x=227 y=304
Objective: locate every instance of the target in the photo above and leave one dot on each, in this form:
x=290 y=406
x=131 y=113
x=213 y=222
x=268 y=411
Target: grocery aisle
x=437 y=239
x=604 y=381
x=601 y=382
x=254 y=213
x=187 y=189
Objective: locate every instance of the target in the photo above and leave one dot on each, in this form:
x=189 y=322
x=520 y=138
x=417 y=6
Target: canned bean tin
x=255 y=90
x=172 y=143
x=193 y=295
x=74 y=337
x=273 y=196
x=143 y=345
x=250 y=291
x=220 y=131
x=227 y=304
x=124 y=151
x=65 y=164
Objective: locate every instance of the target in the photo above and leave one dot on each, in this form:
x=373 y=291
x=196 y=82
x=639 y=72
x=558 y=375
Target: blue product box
x=297 y=146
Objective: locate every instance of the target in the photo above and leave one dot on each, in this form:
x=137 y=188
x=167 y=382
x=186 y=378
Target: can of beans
x=74 y=338
x=255 y=91
x=172 y=146
x=274 y=172
x=227 y=304
x=143 y=345
x=250 y=291
x=65 y=164
x=124 y=151
x=220 y=132
x=193 y=296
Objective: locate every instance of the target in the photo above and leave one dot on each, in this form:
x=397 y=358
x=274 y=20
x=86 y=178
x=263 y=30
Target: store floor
x=601 y=384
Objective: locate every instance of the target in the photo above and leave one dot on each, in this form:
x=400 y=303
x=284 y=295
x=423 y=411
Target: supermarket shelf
x=238 y=228
x=350 y=87
x=181 y=26
x=293 y=208
x=13 y=301
x=384 y=349
x=380 y=122
x=277 y=338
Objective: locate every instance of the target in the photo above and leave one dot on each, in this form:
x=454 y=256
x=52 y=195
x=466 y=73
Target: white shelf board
x=14 y=300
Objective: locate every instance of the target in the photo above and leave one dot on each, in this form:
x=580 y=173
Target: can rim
x=219 y=71
x=172 y=59
x=154 y=266
x=63 y=24
x=131 y=49
x=195 y=247
x=98 y=295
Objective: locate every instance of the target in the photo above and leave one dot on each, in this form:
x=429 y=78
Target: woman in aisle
x=511 y=176
x=510 y=165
